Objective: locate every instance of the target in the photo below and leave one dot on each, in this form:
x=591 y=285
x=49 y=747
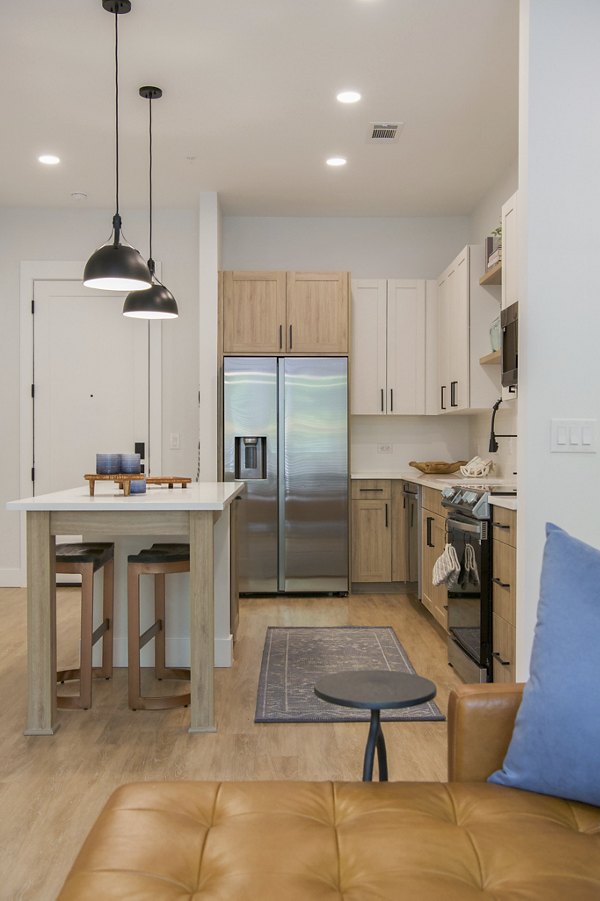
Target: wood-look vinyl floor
x=52 y=788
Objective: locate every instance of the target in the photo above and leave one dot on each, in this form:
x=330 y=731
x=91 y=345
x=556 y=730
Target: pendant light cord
x=117 y=217
x=150 y=261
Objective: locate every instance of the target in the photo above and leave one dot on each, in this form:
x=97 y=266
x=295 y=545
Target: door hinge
x=33 y=390
x=32 y=307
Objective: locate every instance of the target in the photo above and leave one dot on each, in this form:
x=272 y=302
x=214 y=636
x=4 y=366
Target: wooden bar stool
x=85 y=559
x=159 y=561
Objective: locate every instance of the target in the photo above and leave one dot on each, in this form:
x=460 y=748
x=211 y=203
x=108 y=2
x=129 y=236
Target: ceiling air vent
x=384 y=132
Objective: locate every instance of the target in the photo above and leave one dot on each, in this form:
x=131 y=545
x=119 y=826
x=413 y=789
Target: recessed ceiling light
x=48 y=159
x=336 y=161
x=348 y=96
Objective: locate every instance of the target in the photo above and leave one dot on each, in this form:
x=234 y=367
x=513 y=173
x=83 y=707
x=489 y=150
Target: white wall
x=412 y=438
x=28 y=234
x=368 y=248
x=486 y=215
x=559 y=310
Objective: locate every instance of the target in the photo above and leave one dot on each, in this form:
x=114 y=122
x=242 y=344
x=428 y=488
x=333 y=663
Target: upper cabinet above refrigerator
x=285 y=313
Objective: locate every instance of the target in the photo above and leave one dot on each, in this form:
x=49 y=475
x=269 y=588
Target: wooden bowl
x=433 y=467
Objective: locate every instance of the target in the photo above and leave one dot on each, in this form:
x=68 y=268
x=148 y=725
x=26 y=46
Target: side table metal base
x=375 y=738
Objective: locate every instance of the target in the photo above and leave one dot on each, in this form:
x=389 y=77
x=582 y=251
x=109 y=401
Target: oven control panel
x=468 y=499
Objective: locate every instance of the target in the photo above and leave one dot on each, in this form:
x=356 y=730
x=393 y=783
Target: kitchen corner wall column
x=209 y=263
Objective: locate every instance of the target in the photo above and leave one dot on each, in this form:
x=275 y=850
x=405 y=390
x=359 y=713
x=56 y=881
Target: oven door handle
x=463 y=527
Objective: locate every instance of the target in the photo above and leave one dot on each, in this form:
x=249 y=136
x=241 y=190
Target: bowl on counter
x=437 y=467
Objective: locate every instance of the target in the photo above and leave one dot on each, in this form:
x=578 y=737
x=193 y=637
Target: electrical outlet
x=385 y=448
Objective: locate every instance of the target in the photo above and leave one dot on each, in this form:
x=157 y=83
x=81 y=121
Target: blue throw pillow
x=555 y=747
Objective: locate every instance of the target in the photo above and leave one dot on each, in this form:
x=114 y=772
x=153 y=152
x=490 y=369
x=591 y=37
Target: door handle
x=386 y=516
x=442 y=398
x=497 y=657
x=391 y=400
x=453 y=402
x=500 y=525
x=501 y=584
x=370 y=489
x=429 y=541
x=280 y=337
x=412 y=515
x=382 y=400
x=291 y=344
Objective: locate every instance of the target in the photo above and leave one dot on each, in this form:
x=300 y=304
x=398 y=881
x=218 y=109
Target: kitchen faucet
x=493 y=446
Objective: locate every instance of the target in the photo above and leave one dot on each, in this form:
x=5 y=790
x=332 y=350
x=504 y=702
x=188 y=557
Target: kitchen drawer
x=503 y=649
x=504 y=525
x=504 y=574
x=371 y=490
x=432 y=500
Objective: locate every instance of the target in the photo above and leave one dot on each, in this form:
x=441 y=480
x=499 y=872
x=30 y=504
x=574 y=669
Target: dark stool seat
x=85 y=559
x=160 y=560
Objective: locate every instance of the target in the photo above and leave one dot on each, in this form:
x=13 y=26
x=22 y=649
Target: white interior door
x=91 y=377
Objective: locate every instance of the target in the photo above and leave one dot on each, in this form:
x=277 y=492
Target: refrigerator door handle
x=281 y=475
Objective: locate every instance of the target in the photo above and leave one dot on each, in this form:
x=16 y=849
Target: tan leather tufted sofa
x=402 y=841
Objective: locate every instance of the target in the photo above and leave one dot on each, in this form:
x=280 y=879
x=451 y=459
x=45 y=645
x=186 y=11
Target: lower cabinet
x=433 y=540
x=379 y=545
x=504 y=572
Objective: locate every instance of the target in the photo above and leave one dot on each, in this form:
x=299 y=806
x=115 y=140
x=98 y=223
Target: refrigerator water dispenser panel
x=250 y=457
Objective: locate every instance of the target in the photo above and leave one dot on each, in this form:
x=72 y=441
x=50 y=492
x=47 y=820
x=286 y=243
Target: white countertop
x=197 y=496
x=509 y=503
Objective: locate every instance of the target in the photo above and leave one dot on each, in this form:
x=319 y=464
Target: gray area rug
x=295 y=658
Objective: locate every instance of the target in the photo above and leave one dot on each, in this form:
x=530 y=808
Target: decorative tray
x=433 y=467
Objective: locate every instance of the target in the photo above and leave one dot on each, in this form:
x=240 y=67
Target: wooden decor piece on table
x=123 y=480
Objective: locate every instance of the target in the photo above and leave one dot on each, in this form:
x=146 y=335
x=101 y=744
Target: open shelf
x=493 y=357
x=493 y=275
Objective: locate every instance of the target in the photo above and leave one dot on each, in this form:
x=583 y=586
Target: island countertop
x=197 y=496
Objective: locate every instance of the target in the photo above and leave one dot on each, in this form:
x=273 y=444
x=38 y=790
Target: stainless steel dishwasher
x=412 y=507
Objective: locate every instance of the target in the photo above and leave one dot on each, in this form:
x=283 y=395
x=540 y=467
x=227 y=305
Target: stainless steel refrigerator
x=286 y=436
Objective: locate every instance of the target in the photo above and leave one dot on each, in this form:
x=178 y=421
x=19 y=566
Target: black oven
x=470 y=590
x=469 y=600
x=509 y=321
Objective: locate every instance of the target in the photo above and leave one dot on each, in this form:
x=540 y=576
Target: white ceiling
x=249 y=106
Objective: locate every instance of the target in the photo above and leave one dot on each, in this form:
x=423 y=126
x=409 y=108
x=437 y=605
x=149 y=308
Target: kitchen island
x=191 y=514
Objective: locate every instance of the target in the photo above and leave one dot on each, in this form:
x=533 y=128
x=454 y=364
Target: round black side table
x=375 y=690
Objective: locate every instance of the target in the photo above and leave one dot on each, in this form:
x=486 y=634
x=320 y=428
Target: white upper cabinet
x=465 y=311
x=388 y=346
x=509 y=251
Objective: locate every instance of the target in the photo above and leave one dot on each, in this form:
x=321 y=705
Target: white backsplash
x=411 y=438
x=433 y=438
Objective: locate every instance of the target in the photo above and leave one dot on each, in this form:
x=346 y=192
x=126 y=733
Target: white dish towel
x=446 y=568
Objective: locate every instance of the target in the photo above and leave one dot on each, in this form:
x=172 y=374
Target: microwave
x=509 y=322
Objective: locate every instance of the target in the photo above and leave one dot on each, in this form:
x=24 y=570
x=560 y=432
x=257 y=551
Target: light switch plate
x=573 y=436
x=174 y=441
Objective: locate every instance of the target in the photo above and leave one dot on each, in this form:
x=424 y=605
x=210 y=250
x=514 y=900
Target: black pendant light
x=155 y=302
x=116 y=266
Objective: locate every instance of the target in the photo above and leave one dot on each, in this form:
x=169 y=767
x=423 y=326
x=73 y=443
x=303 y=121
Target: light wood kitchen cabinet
x=254 y=312
x=317 y=312
x=285 y=312
x=465 y=311
x=379 y=540
x=433 y=540
x=389 y=346
x=504 y=573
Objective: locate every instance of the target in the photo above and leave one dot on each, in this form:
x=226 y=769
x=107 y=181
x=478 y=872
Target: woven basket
x=433 y=467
